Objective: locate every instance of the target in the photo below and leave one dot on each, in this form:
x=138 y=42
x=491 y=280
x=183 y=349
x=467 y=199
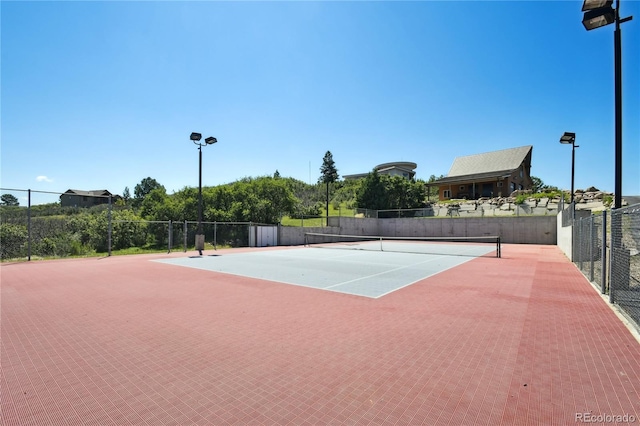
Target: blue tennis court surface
x=362 y=273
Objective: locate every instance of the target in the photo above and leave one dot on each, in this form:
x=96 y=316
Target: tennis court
x=523 y=339
x=370 y=267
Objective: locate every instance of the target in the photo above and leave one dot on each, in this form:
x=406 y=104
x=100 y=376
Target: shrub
x=521 y=198
x=13 y=239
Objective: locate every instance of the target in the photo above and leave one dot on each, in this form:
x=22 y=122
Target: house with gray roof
x=491 y=174
x=79 y=198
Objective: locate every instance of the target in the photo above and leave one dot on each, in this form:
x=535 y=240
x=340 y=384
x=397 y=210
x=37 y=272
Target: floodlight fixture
x=595 y=4
x=196 y=137
x=568 y=138
x=597 y=18
x=598 y=13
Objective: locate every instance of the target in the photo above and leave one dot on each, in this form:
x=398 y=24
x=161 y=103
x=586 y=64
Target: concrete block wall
x=565 y=238
x=516 y=230
x=294 y=235
x=511 y=229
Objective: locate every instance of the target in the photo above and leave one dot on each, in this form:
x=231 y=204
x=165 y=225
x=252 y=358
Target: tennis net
x=452 y=246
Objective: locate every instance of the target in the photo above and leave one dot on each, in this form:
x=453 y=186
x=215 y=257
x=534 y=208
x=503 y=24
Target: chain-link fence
x=606 y=248
x=590 y=248
x=624 y=288
x=53 y=230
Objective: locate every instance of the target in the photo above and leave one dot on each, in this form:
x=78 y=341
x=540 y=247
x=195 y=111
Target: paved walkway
x=522 y=340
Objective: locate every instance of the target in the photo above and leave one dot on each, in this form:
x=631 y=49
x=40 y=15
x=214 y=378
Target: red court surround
x=522 y=340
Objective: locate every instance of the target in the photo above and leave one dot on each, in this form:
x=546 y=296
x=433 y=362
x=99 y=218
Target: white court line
x=385 y=272
x=339 y=257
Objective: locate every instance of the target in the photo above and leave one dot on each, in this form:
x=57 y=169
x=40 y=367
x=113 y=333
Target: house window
x=446 y=193
x=499 y=184
x=512 y=186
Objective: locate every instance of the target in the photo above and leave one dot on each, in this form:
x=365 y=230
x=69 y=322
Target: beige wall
x=516 y=230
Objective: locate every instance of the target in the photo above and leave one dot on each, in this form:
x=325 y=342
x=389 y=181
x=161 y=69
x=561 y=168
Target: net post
x=499 y=247
x=381 y=249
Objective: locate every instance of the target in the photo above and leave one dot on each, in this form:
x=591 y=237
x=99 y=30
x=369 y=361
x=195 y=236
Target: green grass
x=135 y=250
x=451 y=201
x=319 y=221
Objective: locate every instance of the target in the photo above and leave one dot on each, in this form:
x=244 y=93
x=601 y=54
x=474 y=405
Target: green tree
x=432 y=190
x=126 y=195
x=403 y=193
x=382 y=192
x=328 y=173
x=309 y=197
x=537 y=184
x=142 y=189
x=260 y=200
x=372 y=193
x=9 y=200
x=346 y=192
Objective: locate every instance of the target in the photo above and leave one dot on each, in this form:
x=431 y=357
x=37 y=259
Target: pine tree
x=328 y=174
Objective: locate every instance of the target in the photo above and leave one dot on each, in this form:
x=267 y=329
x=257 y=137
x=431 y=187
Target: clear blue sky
x=100 y=95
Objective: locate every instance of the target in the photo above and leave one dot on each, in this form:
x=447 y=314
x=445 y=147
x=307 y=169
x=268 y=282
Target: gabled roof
x=93 y=193
x=488 y=164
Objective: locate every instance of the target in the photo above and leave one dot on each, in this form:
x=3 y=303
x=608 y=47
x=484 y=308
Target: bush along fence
x=606 y=248
x=80 y=232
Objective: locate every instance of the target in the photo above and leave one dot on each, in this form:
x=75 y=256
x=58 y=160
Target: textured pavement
x=522 y=340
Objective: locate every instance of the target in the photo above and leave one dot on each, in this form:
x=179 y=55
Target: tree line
x=59 y=231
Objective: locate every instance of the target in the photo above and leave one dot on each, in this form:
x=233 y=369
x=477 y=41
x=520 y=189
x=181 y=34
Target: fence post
x=109 y=228
x=575 y=243
x=612 y=254
x=592 y=241
x=184 y=233
x=604 y=252
x=28 y=224
x=581 y=241
x=215 y=235
x=170 y=234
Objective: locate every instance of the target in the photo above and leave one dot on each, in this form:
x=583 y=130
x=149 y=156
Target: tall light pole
x=570 y=139
x=599 y=13
x=195 y=137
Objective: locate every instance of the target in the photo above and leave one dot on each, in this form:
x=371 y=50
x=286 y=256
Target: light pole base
x=200 y=242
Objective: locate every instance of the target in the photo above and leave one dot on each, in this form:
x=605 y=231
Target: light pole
x=195 y=137
x=599 y=13
x=570 y=139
